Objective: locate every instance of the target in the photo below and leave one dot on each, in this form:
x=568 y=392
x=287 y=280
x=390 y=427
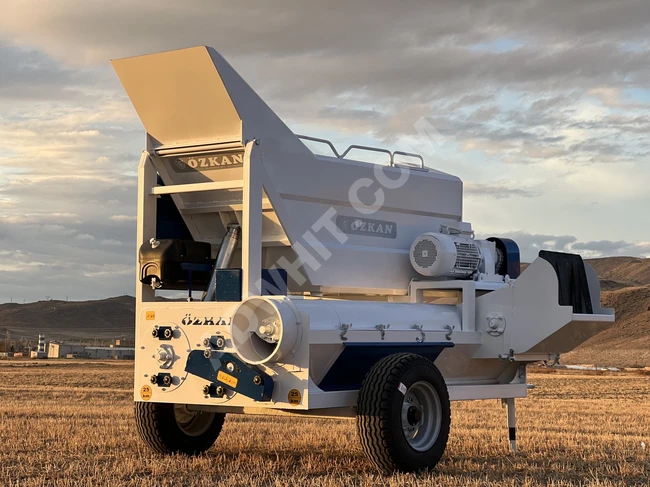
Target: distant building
x=118 y=353
x=60 y=350
x=40 y=352
x=66 y=350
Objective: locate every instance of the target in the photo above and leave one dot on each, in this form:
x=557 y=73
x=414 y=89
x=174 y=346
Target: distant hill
x=627 y=343
x=103 y=320
x=624 y=271
x=625 y=282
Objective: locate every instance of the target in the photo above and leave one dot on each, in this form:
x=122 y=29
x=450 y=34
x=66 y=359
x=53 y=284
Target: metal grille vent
x=468 y=256
x=425 y=253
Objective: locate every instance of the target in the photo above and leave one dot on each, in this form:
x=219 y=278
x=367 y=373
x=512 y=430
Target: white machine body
x=377 y=259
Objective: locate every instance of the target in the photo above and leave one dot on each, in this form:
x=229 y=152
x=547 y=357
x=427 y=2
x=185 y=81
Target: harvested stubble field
x=69 y=424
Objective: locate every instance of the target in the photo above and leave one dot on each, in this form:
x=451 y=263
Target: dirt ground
x=71 y=424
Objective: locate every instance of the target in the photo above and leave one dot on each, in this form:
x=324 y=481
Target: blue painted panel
x=357 y=359
x=169 y=222
x=512 y=260
x=209 y=368
x=229 y=285
x=274 y=282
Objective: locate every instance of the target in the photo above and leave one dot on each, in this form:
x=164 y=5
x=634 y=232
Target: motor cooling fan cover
x=438 y=255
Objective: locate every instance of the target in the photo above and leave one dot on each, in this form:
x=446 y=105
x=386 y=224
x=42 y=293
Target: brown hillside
x=629 y=270
x=627 y=343
x=74 y=320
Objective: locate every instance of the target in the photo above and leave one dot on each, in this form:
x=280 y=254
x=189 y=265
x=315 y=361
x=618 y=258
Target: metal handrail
x=391 y=155
x=369 y=148
x=409 y=154
x=322 y=141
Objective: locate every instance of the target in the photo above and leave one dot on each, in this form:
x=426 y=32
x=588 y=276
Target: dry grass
x=70 y=425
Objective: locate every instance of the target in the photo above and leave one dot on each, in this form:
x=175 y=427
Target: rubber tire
x=158 y=428
x=379 y=413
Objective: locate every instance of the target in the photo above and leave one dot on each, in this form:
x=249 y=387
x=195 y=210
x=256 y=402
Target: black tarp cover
x=571 y=275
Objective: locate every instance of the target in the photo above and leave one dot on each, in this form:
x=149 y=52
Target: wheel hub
x=192 y=423
x=413 y=415
x=421 y=416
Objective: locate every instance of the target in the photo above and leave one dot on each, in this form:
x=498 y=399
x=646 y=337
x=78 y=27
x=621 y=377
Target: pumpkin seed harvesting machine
x=331 y=287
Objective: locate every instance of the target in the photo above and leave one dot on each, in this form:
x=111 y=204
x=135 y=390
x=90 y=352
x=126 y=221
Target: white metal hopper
x=382 y=276
x=193 y=103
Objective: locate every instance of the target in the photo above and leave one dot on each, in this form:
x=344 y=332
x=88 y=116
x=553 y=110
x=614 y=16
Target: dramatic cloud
x=541 y=107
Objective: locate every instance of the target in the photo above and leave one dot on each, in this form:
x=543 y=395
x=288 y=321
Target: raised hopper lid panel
x=180 y=97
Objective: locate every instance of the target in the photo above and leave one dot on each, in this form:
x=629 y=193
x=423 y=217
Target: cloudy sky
x=543 y=109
